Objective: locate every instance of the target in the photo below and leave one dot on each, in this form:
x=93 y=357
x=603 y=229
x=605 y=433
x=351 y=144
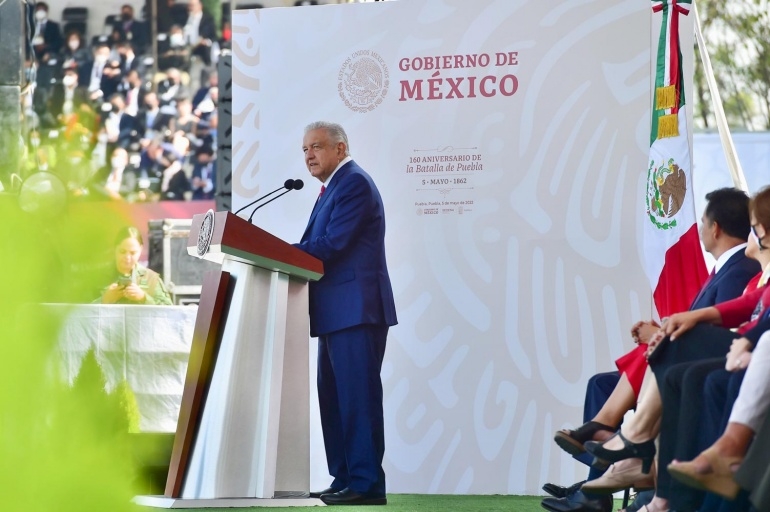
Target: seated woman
x=134 y=284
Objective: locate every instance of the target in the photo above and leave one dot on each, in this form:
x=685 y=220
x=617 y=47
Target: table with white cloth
x=148 y=346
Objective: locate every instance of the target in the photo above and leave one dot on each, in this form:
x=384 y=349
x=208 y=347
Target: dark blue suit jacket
x=347 y=232
x=729 y=282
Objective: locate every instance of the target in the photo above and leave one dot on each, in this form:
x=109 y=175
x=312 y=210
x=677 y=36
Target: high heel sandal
x=719 y=480
x=645 y=451
x=571 y=441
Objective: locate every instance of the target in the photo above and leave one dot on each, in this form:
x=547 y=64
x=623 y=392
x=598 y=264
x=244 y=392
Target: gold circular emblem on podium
x=205 y=233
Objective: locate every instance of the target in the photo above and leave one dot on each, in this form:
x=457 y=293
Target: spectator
x=171 y=87
x=112 y=77
x=118 y=179
x=74 y=53
x=128 y=59
x=204 y=174
x=174 y=52
x=151 y=120
x=119 y=126
x=208 y=104
x=151 y=163
x=134 y=93
x=186 y=122
x=203 y=92
x=131 y=30
x=227 y=35
x=95 y=70
x=68 y=97
x=206 y=132
x=200 y=31
x=47 y=38
x=175 y=183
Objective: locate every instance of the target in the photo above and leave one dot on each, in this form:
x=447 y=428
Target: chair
x=75 y=19
x=109 y=21
x=178 y=13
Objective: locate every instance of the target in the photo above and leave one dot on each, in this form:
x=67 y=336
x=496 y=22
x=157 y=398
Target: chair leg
x=626 y=497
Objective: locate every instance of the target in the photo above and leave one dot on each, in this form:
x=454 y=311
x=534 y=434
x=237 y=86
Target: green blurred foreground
x=60 y=449
x=67 y=449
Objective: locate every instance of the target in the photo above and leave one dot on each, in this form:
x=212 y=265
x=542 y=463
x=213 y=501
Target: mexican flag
x=673 y=257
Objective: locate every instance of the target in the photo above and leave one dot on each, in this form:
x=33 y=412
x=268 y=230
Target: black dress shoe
x=558 y=491
x=578 y=502
x=350 y=497
x=645 y=451
x=328 y=490
x=571 y=441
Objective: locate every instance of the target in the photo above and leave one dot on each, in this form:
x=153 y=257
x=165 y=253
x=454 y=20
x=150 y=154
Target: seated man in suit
x=131 y=30
x=151 y=120
x=171 y=88
x=68 y=98
x=119 y=126
x=204 y=175
x=724 y=233
x=200 y=30
x=47 y=38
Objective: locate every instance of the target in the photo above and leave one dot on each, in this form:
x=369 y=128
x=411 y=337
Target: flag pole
x=733 y=163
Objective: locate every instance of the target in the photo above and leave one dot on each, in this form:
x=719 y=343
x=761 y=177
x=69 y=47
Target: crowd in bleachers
x=114 y=123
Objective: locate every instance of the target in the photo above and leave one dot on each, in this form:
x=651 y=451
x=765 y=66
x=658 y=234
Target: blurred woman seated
x=134 y=284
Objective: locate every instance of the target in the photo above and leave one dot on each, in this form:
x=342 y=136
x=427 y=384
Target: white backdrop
x=517 y=276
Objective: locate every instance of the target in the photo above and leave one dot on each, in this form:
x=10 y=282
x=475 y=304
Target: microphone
x=289 y=184
x=296 y=185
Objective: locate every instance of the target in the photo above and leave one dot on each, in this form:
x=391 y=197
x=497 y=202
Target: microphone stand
x=267 y=202
x=289 y=184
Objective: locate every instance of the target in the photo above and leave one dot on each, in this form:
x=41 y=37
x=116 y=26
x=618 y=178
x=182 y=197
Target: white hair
x=336 y=132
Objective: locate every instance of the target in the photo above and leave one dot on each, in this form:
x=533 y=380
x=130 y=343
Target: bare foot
x=658 y=505
x=724 y=448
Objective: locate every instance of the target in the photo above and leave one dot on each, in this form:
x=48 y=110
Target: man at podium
x=351 y=309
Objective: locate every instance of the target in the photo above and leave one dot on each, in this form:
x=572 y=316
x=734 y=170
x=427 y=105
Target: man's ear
x=717 y=229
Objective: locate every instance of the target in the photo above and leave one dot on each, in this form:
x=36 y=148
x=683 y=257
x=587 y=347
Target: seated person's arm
x=157 y=294
x=112 y=294
x=679 y=323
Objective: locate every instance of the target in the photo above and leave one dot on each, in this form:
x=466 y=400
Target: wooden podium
x=243 y=436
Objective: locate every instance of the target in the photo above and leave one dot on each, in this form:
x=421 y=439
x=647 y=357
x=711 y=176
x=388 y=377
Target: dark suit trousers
x=350 y=400
x=682 y=392
x=704 y=341
x=719 y=394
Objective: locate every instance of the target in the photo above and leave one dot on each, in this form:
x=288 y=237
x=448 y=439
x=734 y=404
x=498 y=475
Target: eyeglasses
x=757 y=238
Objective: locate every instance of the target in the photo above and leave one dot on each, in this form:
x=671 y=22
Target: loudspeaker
x=11 y=141
x=224 y=185
x=13 y=23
